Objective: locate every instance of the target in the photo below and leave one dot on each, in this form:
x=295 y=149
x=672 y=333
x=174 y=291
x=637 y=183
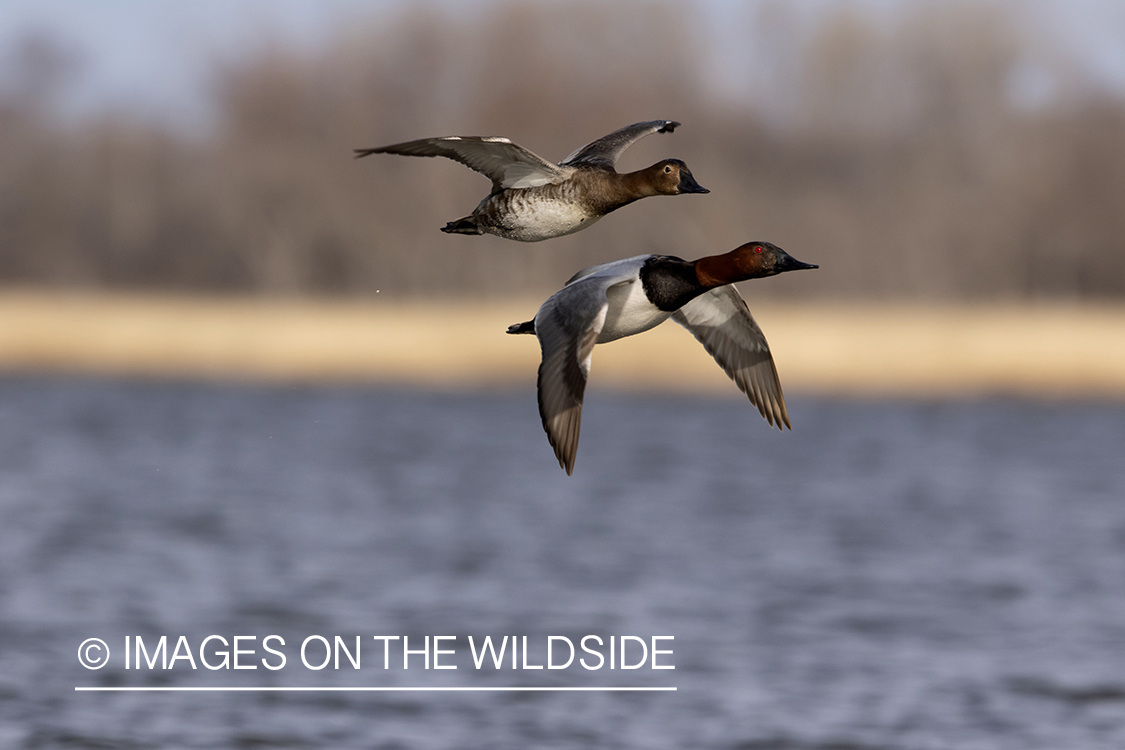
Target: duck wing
x=722 y=322
x=567 y=326
x=605 y=151
x=615 y=271
x=584 y=273
x=497 y=158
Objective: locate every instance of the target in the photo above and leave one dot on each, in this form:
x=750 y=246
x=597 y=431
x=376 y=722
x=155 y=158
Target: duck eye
x=667 y=169
x=757 y=248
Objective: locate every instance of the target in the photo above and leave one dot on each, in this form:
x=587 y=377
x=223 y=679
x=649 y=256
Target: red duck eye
x=757 y=248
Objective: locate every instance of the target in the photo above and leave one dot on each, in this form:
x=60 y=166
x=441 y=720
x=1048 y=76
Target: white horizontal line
x=269 y=689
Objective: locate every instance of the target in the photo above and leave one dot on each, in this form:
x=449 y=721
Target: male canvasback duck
x=625 y=297
x=533 y=199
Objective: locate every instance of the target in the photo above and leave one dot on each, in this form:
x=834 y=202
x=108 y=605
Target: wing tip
x=566 y=449
x=562 y=433
x=668 y=126
x=781 y=414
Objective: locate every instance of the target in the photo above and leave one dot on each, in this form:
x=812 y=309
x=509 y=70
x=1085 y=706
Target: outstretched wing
x=497 y=158
x=568 y=325
x=723 y=324
x=605 y=151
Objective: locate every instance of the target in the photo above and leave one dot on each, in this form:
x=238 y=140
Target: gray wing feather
x=505 y=163
x=583 y=273
x=721 y=321
x=567 y=326
x=605 y=151
x=614 y=272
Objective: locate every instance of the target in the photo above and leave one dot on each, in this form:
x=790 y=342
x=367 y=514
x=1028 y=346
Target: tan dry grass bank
x=932 y=350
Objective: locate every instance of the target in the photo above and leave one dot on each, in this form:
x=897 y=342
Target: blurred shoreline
x=930 y=350
x=931 y=151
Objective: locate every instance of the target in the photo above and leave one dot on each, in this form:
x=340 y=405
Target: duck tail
x=468 y=225
x=528 y=327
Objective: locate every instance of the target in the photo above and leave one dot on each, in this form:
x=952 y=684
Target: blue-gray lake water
x=890 y=574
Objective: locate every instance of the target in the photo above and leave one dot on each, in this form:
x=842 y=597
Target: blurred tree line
x=942 y=151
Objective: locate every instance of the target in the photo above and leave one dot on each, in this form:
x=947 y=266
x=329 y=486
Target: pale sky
x=153 y=58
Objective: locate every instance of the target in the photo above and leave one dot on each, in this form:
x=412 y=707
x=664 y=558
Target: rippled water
x=892 y=574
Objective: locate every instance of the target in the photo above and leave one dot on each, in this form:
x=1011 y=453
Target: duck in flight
x=533 y=199
x=613 y=300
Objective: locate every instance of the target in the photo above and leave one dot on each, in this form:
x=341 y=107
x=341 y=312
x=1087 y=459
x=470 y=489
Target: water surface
x=891 y=574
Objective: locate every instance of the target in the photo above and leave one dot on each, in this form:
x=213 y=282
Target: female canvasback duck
x=618 y=299
x=533 y=199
